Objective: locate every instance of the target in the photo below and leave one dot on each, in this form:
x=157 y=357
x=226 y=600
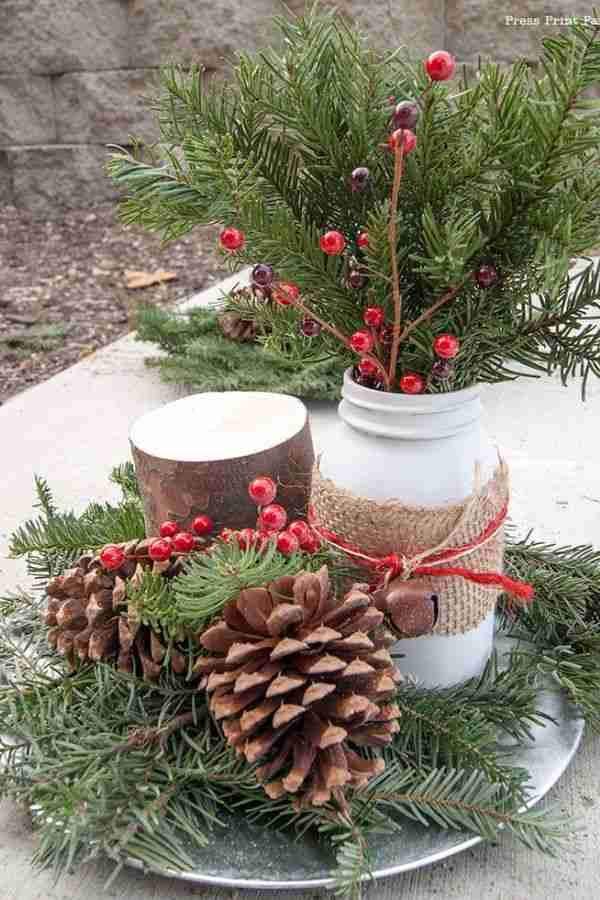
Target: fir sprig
x=505 y=170
x=116 y=766
x=210 y=580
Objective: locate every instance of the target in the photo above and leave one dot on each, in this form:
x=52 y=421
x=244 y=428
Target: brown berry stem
x=445 y=298
x=298 y=304
x=398 y=166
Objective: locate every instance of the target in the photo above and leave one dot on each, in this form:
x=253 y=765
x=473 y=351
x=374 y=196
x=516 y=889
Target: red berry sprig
x=232 y=239
x=404 y=137
x=203 y=525
x=273 y=517
x=440 y=65
x=287 y=543
x=168 y=529
x=412 y=383
x=262 y=490
x=184 y=542
x=112 y=557
x=367 y=368
x=160 y=550
x=446 y=346
x=285 y=293
x=374 y=316
x=332 y=243
x=361 y=342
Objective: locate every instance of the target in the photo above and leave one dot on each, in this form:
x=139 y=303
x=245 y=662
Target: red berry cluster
x=272 y=521
x=172 y=542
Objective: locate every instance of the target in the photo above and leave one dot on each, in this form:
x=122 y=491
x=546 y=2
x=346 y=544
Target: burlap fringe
x=380 y=528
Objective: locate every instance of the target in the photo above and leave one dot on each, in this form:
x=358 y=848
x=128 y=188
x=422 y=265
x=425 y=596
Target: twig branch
x=432 y=309
x=398 y=166
x=298 y=304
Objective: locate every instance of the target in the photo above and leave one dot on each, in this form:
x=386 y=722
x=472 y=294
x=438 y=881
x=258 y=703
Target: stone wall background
x=75 y=74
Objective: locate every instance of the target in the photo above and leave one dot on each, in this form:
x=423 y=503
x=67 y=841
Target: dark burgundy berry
x=357 y=279
x=263 y=274
x=486 y=275
x=368 y=381
x=310 y=327
x=442 y=370
x=406 y=114
x=360 y=178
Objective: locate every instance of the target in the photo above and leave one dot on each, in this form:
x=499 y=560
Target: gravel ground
x=63 y=287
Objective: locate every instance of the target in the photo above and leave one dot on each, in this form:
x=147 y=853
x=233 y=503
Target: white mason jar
x=422 y=450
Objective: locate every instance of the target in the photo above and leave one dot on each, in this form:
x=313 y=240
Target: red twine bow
x=395 y=564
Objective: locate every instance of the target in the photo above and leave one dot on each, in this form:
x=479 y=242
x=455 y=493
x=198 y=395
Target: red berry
x=361 y=342
x=446 y=346
x=486 y=275
x=246 y=538
x=273 y=517
x=412 y=383
x=203 y=524
x=373 y=316
x=312 y=546
x=300 y=530
x=262 y=490
x=287 y=543
x=160 y=551
x=332 y=243
x=232 y=238
x=169 y=529
x=362 y=239
x=440 y=65
x=285 y=293
x=112 y=557
x=184 y=542
x=367 y=368
x=408 y=138
x=262 y=538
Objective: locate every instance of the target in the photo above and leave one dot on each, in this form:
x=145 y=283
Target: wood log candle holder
x=198 y=455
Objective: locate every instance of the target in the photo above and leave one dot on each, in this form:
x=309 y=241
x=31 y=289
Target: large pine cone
x=237 y=328
x=301 y=680
x=89 y=619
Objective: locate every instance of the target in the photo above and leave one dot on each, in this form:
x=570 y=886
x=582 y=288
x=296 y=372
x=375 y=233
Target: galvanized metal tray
x=242 y=855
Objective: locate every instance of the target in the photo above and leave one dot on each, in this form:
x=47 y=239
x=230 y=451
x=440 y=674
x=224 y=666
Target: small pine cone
x=237 y=328
x=300 y=681
x=89 y=619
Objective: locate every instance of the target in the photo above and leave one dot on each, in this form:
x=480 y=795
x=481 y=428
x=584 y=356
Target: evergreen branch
x=209 y=581
x=124 y=475
x=465 y=800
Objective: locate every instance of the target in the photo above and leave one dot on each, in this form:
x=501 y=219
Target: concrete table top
x=73 y=428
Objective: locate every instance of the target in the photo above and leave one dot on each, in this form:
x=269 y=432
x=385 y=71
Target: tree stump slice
x=198 y=455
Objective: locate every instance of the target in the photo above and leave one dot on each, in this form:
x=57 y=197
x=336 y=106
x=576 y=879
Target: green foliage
x=199 y=356
x=210 y=580
x=53 y=540
x=114 y=766
x=505 y=171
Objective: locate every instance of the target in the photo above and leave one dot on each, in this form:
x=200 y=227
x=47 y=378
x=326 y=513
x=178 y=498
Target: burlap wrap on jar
x=380 y=528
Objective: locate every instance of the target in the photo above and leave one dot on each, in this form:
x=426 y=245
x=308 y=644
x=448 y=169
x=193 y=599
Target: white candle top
x=214 y=426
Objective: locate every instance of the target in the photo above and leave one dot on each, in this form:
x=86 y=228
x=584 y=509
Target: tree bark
x=181 y=490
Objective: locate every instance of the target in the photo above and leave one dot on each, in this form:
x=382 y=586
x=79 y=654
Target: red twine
x=394 y=564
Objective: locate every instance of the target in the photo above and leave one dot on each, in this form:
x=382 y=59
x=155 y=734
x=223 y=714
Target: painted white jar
x=422 y=450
